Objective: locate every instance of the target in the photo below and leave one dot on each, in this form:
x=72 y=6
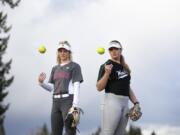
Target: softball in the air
x=100 y=50
x=42 y=49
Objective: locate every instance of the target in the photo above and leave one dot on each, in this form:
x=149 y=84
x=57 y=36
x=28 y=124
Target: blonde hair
x=70 y=53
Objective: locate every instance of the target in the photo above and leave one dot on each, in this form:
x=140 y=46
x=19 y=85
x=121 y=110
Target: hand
x=108 y=69
x=41 y=77
x=137 y=106
x=135 y=113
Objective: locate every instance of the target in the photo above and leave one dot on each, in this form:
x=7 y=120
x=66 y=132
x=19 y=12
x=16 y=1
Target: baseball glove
x=73 y=117
x=135 y=113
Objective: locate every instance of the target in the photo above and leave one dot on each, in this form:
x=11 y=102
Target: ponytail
x=125 y=66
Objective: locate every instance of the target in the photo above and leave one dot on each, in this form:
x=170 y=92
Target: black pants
x=59 y=112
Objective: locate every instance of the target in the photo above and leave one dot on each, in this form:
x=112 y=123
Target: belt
x=61 y=95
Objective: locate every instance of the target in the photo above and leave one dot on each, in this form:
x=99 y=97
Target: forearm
x=101 y=84
x=76 y=94
x=47 y=86
x=132 y=96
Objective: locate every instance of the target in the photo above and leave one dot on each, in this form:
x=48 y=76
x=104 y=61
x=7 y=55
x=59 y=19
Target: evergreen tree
x=5 y=81
x=43 y=131
x=134 y=131
x=153 y=133
x=97 y=132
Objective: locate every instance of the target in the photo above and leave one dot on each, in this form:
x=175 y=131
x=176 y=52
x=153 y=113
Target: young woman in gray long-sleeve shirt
x=65 y=82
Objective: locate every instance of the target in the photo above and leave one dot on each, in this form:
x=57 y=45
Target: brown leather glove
x=73 y=117
x=135 y=113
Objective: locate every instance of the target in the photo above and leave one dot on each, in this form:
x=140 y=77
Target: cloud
x=148 y=32
x=62 y=6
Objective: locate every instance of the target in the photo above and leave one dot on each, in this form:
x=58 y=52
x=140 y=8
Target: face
x=64 y=54
x=115 y=53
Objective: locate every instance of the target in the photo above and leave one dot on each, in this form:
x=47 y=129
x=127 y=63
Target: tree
x=43 y=131
x=5 y=81
x=134 y=131
x=153 y=133
x=98 y=131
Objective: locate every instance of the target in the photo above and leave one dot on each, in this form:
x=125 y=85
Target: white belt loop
x=60 y=95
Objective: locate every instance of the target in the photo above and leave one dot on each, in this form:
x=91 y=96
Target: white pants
x=113 y=114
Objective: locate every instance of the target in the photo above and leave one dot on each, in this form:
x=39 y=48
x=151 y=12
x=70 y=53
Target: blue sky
x=148 y=30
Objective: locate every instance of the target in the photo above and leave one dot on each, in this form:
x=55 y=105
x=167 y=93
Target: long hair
x=124 y=64
x=70 y=53
x=122 y=59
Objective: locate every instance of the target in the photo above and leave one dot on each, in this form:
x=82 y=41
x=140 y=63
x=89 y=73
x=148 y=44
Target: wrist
x=40 y=83
x=106 y=74
x=75 y=105
x=135 y=103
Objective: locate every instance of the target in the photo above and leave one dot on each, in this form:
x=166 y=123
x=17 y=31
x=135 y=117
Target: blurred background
x=149 y=32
